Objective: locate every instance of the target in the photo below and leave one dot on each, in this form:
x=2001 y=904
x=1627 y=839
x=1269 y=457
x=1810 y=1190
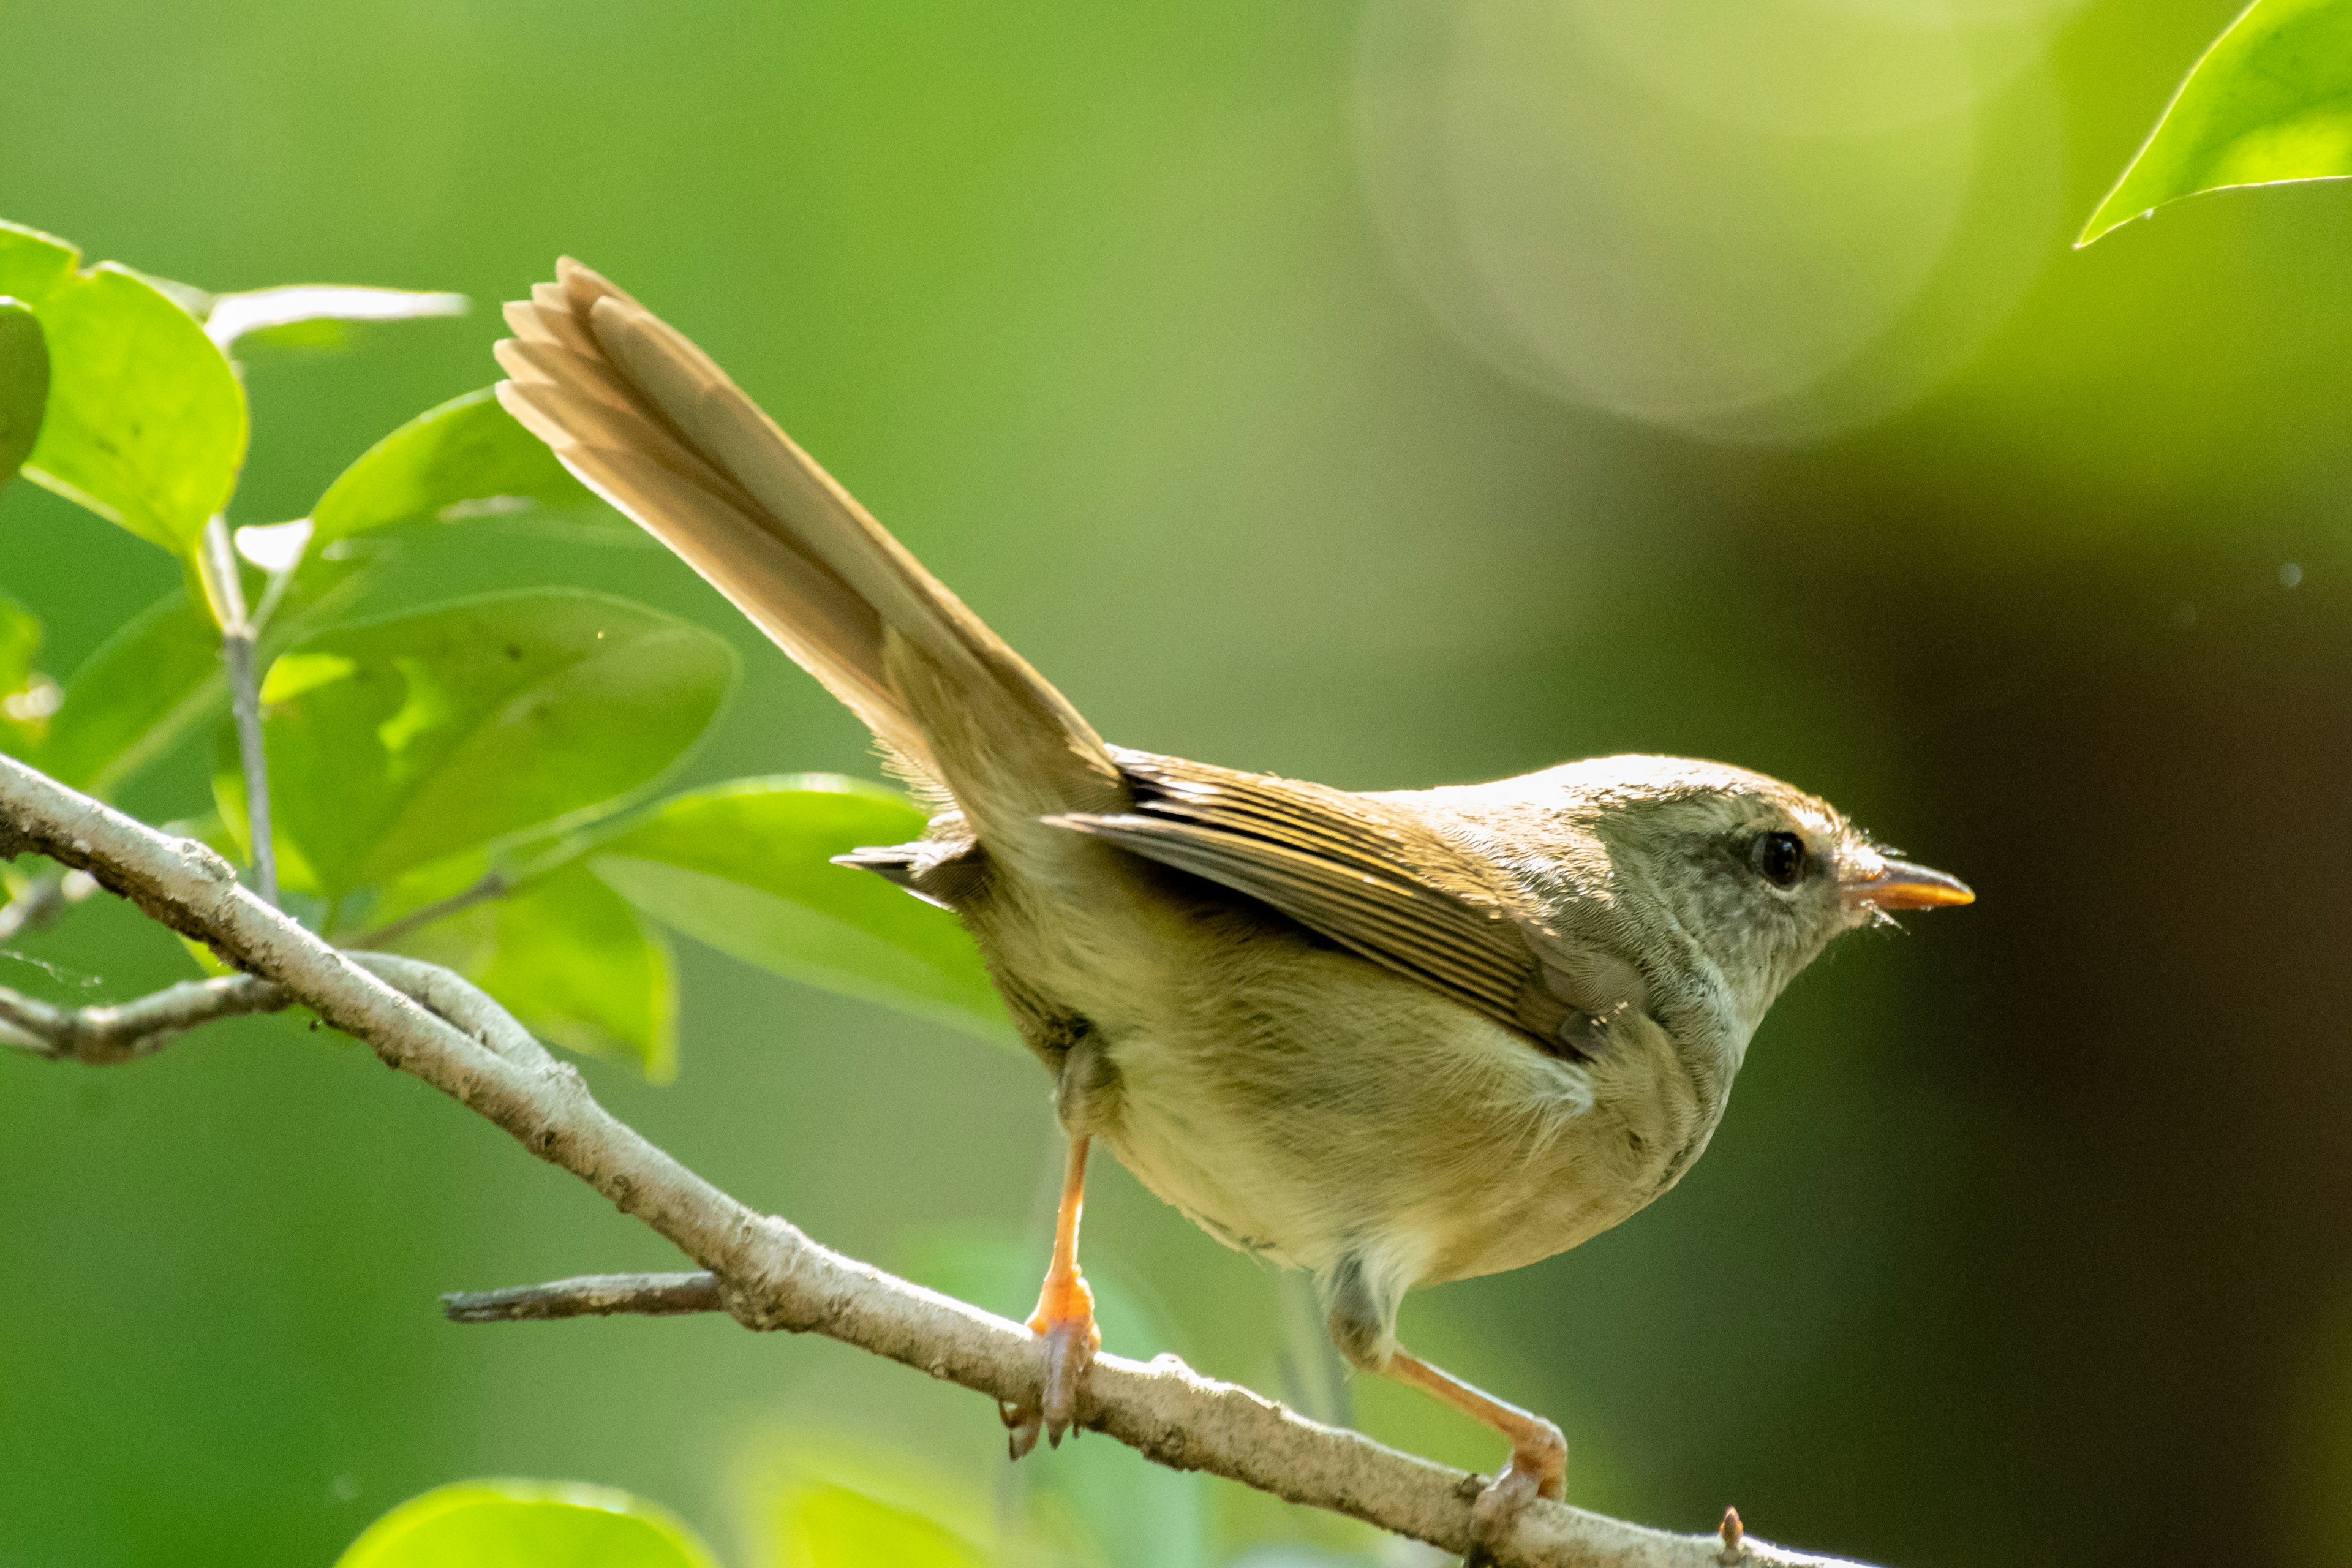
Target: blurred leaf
x=27 y=698
x=832 y=1502
x=315 y=315
x=527 y=1524
x=137 y=694
x=2271 y=100
x=466 y=457
x=24 y=383
x=566 y=954
x=20 y=640
x=743 y=868
x=393 y=743
x=146 y=422
x=821 y=1526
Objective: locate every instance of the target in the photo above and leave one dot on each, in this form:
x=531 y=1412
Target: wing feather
x=1367 y=874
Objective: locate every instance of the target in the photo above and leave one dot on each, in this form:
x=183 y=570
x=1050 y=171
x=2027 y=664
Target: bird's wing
x=1366 y=873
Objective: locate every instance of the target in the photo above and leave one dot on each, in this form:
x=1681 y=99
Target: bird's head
x=1751 y=875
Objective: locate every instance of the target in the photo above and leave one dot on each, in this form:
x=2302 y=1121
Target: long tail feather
x=645 y=419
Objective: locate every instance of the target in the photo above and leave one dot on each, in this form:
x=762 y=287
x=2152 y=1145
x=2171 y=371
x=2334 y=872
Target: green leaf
x=822 y=1526
x=146 y=422
x=743 y=868
x=2270 y=101
x=467 y=457
x=527 y=1524
x=314 y=315
x=24 y=383
x=565 y=954
x=830 y=1501
x=144 y=688
x=20 y=641
x=395 y=743
x=27 y=698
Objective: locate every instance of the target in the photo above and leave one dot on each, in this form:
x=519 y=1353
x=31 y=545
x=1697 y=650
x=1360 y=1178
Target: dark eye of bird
x=1779 y=858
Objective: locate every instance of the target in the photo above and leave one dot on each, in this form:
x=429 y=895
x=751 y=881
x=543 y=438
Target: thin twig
x=590 y=1296
x=125 y=1030
x=225 y=584
x=117 y=1032
x=493 y=885
x=770 y=1275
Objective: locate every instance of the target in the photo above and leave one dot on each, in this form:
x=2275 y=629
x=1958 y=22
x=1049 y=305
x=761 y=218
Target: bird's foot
x=1064 y=1320
x=1538 y=1468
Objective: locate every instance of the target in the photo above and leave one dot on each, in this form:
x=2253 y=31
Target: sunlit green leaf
x=527 y=1524
x=743 y=868
x=146 y=422
x=833 y=1502
x=2271 y=100
x=394 y=742
x=24 y=383
x=135 y=695
x=567 y=955
x=824 y=1526
x=314 y=315
x=466 y=457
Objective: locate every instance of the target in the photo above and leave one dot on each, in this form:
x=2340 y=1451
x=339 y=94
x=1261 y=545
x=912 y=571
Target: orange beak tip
x=1899 y=885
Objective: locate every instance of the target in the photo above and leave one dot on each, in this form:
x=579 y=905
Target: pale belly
x=1406 y=1128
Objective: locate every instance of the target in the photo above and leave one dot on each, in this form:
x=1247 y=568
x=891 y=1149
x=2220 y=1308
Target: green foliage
x=146 y=422
x=527 y=1524
x=24 y=383
x=2270 y=101
x=828 y=1509
x=135 y=695
x=743 y=868
x=26 y=697
x=410 y=753
x=467 y=454
x=405 y=751
x=393 y=743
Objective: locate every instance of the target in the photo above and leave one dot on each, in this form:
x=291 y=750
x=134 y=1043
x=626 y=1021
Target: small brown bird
x=1393 y=1039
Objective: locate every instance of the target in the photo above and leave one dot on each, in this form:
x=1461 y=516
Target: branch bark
x=428 y=1022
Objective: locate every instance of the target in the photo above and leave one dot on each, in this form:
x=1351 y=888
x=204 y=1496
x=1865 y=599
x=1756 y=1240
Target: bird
x=1389 y=1038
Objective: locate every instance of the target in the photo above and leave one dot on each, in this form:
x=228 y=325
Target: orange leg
x=1538 y=1466
x=1065 y=1319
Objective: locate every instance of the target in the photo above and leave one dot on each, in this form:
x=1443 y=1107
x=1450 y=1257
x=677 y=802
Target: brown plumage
x=1389 y=1038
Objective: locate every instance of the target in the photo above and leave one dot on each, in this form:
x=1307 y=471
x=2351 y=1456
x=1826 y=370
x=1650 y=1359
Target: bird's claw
x=1064 y=1320
x=1021 y=1425
x=1069 y=1351
x=1538 y=1468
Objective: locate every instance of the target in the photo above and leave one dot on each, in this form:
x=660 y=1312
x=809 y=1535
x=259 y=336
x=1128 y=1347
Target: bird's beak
x=1900 y=885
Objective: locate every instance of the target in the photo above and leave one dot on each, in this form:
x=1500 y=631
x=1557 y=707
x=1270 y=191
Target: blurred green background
x=1390 y=394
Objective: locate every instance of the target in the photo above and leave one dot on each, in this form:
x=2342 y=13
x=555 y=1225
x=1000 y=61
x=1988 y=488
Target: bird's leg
x=1065 y=1319
x=1538 y=1466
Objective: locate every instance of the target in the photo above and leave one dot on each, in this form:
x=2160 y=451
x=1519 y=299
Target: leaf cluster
x=475 y=782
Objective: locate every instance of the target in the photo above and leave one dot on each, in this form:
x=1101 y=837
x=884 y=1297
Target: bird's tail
x=647 y=420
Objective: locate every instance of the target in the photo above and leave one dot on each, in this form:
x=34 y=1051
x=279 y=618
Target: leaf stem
x=493 y=885
x=225 y=586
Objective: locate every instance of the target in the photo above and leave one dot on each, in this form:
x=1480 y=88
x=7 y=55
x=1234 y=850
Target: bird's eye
x=1779 y=858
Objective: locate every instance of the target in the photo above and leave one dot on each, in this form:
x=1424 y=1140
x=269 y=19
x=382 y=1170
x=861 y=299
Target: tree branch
x=590 y=1296
x=769 y=1275
x=128 y=1029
